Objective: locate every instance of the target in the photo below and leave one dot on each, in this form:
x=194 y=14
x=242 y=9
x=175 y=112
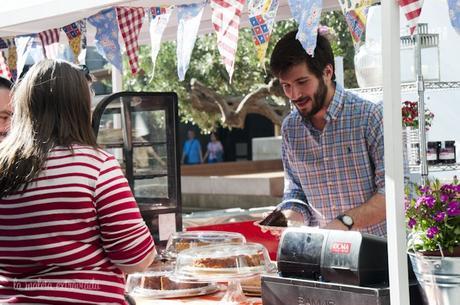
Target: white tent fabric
x=32 y=16
x=39 y=15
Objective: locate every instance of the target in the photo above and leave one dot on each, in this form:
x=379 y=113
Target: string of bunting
x=226 y=16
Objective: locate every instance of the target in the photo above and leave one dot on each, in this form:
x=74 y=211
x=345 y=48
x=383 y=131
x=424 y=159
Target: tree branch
x=235 y=109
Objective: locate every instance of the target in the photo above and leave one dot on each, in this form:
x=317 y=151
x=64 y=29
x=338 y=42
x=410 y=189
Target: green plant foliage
x=205 y=66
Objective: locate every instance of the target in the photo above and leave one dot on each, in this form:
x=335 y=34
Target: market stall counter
x=212 y=299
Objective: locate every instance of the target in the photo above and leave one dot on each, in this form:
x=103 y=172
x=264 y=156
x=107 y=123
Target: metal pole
x=421 y=106
x=394 y=174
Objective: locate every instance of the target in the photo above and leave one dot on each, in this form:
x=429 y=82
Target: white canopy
x=32 y=16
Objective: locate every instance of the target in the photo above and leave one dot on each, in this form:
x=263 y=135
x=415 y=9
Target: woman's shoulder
x=84 y=151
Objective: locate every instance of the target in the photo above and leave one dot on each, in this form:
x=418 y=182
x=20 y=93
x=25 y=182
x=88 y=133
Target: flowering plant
x=433 y=217
x=410 y=115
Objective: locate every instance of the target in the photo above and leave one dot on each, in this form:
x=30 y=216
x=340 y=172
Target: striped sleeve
x=125 y=237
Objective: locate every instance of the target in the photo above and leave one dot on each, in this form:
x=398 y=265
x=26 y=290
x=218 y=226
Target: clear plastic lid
x=154 y=284
x=222 y=262
x=180 y=241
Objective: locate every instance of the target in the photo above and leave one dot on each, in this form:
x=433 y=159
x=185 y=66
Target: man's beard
x=318 y=101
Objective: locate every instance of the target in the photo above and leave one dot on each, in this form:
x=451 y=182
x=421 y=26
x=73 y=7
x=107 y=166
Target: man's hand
x=336 y=225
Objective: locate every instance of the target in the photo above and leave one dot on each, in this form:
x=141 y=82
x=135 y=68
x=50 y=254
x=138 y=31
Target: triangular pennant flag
x=158 y=22
x=130 y=23
x=50 y=42
x=4 y=69
x=355 y=13
x=262 y=15
x=226 y=21
x=189 y=17
x=74 y=35
x=82 y=56
x=307 y=15
x=106 y=39
x=12 y=60
x=23 y=44
x=4 y=44
x=454 y=14
x=412 y=10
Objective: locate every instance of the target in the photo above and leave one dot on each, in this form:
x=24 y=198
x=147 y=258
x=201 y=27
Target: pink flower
x=431 y=232
x=440 y=217
x=411 y=223
x=453 y=209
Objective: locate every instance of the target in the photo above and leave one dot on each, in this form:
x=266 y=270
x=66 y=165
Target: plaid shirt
x=341 y=167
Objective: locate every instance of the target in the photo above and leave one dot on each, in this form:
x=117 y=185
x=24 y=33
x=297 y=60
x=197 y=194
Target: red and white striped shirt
x=61 y=238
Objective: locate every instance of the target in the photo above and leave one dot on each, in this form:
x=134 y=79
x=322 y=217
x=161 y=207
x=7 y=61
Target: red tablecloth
x=252 y=232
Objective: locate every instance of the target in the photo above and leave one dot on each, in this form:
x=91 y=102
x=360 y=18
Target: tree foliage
x=206 y=68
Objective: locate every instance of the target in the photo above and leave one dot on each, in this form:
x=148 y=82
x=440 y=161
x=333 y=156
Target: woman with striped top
x=69 y=225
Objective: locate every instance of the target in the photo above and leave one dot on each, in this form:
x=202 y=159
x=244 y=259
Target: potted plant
x=433 y=220
x=410 y=115
x=411 y=137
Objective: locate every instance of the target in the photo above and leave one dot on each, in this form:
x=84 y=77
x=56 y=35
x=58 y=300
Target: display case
x=140 y=130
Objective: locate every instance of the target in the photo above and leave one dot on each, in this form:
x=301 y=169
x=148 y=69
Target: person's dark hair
x=52 y=107
x=288 y=52
x=5 y=83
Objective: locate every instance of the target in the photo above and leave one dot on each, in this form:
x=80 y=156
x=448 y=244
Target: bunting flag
x=130 y=23
x=106 y=38
x=355 y=12
x=4 y=44
x=12 y=60
x=74 y=35
x=454 y=14
x=4 y=69
x=23 y=44
x=262 y=15
x=158 y=22
x=412 y=10
x=82 y=56
x=226 y=21
x=188 y=17
x=50 y=42
x=307 y=15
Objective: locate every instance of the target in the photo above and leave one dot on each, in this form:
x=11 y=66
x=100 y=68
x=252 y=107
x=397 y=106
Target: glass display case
x=140 y=130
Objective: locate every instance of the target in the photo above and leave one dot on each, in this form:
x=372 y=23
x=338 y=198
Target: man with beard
x=332 y=148
x=5 y=106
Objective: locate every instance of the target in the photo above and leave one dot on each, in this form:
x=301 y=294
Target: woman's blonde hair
x=51 y=107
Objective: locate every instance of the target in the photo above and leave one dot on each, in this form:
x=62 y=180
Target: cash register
x=331 y=267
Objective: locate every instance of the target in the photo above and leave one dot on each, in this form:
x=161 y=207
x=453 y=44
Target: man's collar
x=336 y=105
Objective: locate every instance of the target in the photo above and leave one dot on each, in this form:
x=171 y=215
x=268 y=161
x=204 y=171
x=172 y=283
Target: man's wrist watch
x=346 y=220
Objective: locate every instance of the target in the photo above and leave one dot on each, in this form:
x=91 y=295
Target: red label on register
x=341 y=248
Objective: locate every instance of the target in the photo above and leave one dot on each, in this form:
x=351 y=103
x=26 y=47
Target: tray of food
x=160 y=285
x=180 y=241
x=221 y=262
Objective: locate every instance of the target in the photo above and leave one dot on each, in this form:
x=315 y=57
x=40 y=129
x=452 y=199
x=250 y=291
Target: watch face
x=347 y=220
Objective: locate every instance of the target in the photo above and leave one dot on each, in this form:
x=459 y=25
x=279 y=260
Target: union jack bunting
x=412 y=10
x=226 y=21
x=50 y=40
x=130 y=23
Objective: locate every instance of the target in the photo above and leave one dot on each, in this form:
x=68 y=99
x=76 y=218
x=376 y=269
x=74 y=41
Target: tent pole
x=117 y=80
x=394 y=175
